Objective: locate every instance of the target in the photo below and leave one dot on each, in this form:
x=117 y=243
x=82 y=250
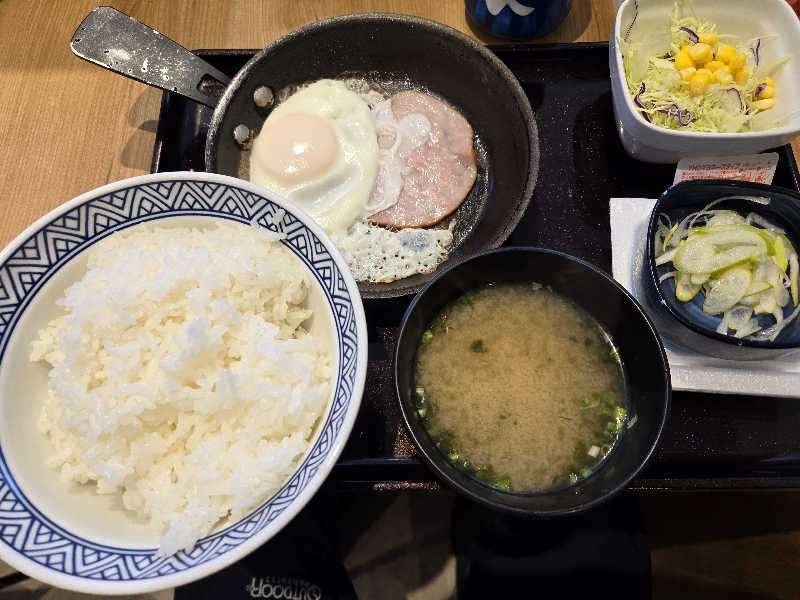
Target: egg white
x=408 y=134
x=335 y=198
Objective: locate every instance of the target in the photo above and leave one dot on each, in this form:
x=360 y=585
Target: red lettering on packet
x=757 y=168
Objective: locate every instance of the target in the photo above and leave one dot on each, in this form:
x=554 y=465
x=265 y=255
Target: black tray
x=711 y=441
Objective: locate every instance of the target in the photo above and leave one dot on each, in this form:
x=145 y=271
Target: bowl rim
x=312 y=484
x=482 y=498
x=664 y=299
x=776 y=132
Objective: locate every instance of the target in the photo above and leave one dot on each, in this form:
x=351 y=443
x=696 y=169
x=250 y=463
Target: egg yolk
x=296 y=147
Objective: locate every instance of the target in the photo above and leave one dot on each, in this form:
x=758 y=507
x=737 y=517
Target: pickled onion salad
x=692 y=77
x=743 y=267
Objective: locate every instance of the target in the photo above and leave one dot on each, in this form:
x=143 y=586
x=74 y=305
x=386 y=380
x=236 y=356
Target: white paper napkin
x=691 y=370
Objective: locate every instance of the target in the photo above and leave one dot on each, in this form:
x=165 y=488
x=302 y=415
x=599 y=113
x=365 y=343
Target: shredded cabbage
x=666 y=97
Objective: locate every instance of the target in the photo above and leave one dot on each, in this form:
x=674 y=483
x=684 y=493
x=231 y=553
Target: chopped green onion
x=614 y=353
x=503 y=483
x=478 y=346
x=485 y=473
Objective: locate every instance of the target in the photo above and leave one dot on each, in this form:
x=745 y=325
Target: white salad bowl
x=773 y=20
x=66 y=534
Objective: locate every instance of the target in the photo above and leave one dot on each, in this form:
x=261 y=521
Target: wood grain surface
x=67 y=126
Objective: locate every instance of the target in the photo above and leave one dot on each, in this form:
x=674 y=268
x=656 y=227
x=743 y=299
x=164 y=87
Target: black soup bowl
x=644 y=364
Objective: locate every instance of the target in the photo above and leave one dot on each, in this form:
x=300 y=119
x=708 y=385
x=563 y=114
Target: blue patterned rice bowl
x=69 y=536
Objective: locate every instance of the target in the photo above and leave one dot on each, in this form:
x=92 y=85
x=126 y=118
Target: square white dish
x=743 y=18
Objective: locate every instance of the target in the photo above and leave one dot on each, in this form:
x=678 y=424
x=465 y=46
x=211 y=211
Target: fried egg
x=319 y=149
x=372 y=171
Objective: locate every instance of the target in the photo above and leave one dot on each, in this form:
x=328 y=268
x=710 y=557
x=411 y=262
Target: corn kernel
x=725 y=53
x=764 y=104
x=709 y=38
x=686 y=74
x=723 y=76
x=741 y=76
x=767 y=81
x=705 y=73
x=682 y=61
x=767 y=92
x=699 y=82
x=700 y=52
x=713 y=65
x=737 y=61
x=685 y=47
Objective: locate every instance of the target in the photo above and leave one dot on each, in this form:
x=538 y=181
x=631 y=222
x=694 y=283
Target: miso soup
x=521 y=387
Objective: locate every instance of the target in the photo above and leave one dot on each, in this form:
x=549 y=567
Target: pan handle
x=113 y=40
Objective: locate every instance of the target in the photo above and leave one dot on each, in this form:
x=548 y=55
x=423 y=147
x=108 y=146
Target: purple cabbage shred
x=692 y=35
x=755 y=50
x=635 y=15
x=684 y=116
x=641 y=105
x=738 y=97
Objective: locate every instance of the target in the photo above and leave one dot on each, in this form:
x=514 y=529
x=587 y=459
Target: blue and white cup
x=518 y=19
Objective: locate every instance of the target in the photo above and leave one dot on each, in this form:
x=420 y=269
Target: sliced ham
x=437 y=172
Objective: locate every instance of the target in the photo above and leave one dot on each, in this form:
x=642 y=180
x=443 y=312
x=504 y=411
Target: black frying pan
x=391 y=52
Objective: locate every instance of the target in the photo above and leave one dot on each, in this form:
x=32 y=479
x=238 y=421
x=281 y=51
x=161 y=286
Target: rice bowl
x=67 y=535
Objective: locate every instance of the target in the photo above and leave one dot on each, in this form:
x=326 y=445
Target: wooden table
x=67 y=126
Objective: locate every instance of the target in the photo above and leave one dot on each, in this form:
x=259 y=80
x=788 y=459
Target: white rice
x=182 y=378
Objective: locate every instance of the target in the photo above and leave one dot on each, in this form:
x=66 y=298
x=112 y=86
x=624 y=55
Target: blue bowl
x=685 y=323
x=518 y=19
